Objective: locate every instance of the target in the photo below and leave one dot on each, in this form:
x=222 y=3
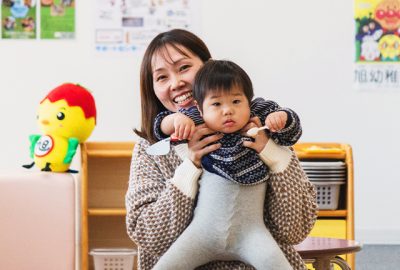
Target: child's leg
x=189 y=251
x=260 y=249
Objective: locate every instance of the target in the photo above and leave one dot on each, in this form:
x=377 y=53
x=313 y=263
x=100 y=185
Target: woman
x=162 y=189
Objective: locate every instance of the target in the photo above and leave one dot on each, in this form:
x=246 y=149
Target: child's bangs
x=223 y=83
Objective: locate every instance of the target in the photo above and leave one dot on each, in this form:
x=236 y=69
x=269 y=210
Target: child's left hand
x=276 y=121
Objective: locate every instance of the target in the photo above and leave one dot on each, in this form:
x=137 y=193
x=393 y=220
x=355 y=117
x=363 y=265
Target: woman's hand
x=260 y=140
x=200 y=145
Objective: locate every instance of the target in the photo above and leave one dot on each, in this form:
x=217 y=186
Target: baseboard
x=378 y=237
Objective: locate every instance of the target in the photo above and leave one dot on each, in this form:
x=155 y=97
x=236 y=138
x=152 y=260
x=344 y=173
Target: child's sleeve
x=292 y=131
x=157 y=125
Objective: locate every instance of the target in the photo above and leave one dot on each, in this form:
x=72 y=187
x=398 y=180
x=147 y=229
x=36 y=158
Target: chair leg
x=341 y=263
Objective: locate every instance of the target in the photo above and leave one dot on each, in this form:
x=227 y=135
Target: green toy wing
x=72 y=146
x=33 y=138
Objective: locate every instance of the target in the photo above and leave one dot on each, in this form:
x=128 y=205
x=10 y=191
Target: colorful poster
x=18 y=19
x=377 y=39
x=129 y=25
x=57 y=19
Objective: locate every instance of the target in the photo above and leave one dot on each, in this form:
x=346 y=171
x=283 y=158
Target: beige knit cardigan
x=161 y=198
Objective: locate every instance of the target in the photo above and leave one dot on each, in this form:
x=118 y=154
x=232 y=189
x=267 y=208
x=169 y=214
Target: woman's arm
x=159 y=202
x=290 y=203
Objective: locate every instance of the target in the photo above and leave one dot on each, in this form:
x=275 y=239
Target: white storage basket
x=113 y=258
x=327 y=194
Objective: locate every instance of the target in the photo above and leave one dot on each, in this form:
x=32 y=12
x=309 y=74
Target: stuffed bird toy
x=66 y=117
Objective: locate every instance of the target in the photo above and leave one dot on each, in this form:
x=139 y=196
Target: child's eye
x=236 y=101
x=184 y=67
x=216 y=104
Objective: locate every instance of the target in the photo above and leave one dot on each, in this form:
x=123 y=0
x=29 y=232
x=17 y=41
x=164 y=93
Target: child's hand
x=276 y=121
x=184 y=127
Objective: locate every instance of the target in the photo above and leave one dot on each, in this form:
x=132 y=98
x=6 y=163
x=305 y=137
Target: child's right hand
x=184 y=127
x=276 y=121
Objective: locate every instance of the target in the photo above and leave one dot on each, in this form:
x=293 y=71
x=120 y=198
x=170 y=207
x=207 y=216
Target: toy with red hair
x=66 y=117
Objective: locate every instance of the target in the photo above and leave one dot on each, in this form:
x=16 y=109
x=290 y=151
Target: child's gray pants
x=228 y=225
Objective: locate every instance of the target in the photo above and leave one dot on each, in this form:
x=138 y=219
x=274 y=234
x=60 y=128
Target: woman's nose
x=176 y=82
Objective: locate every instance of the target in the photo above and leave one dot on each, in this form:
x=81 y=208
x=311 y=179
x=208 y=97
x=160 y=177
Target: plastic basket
x=327 y=194
x=113 y=258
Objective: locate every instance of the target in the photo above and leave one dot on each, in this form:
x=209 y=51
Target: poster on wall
x=37 y=19
x=57 y=19
x=129 y=25
x=377 y=39
x=18 y=19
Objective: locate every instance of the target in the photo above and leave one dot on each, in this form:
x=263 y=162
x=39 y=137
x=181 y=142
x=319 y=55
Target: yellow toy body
x=66 y=117
x=51 y=150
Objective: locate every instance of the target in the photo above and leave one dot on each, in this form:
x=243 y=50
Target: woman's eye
x=161 y=77
x=184 y=67
x=60 y=116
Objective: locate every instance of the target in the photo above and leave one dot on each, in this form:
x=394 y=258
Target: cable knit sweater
x=161 y=198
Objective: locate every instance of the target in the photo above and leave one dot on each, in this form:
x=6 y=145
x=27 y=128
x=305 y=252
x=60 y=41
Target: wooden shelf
x=106 y=212
x=109 y=149
x=105 y=173
x=332 y=213
x=320 y=151
x=110 y=154
x=334 y=223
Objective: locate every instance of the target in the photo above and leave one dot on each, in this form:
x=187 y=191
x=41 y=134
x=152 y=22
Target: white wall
x=299 y=53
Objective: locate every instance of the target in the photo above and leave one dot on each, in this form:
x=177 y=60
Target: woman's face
x=173 y=76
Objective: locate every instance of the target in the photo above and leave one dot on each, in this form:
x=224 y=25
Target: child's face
x=226 y=112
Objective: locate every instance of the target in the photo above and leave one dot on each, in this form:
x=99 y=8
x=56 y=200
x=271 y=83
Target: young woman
x=161 y=196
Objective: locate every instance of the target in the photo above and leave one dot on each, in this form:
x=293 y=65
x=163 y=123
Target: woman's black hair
x=180 y=40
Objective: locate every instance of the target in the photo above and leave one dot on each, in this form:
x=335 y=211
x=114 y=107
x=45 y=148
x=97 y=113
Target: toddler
x=228 y=221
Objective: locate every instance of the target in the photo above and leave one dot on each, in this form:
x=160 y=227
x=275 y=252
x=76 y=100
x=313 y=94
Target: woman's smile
x=183 y=99
x=173 y=76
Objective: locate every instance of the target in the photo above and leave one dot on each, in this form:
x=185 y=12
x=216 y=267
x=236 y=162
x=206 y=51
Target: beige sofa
x=38 y=221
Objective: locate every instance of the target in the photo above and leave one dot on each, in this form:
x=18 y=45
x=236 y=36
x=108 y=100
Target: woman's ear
x=198 y=107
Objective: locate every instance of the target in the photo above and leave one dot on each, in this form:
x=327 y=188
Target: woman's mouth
x=182 y=99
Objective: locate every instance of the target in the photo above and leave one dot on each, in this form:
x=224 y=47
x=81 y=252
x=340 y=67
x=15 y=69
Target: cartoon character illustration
x=66 y=117
x=389 y=47
x=369 y=49
x=369 y=32
x=387 y=14
x=369 y=27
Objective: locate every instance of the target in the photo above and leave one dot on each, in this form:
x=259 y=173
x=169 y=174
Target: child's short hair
x=220 y=75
